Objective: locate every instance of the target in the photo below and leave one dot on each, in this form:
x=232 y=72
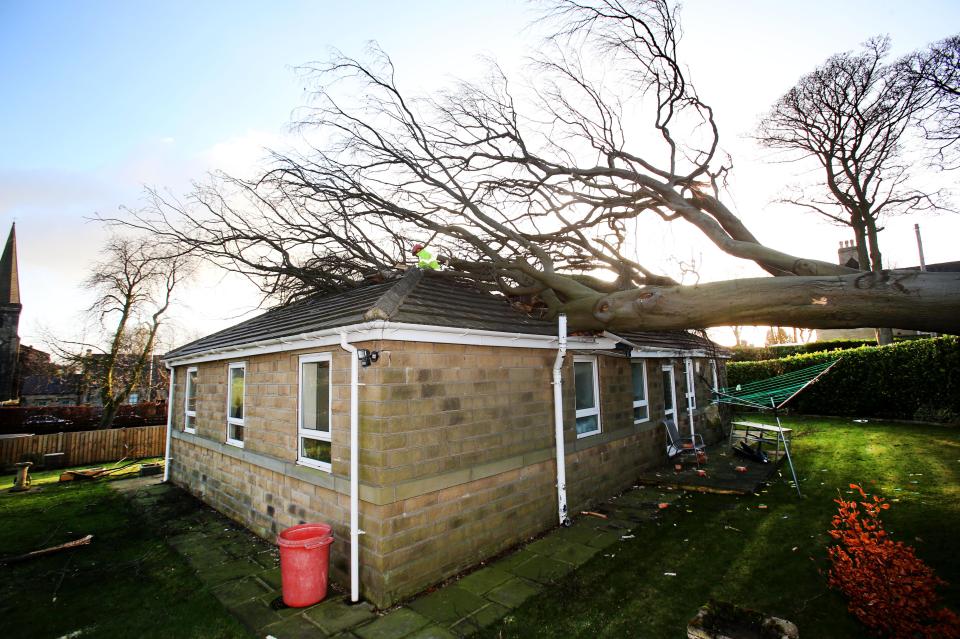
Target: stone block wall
x=456 y=454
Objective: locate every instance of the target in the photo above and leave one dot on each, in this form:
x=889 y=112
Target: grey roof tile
x=417 y=297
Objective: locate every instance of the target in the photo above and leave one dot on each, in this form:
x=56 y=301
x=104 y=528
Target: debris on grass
x=590 y=513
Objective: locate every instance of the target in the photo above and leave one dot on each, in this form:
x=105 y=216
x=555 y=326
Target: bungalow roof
x=417 y=297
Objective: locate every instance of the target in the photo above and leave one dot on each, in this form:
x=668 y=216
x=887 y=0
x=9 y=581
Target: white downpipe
x=354 y=468
x=166 y=452
x=688 y=365
x=558 y=420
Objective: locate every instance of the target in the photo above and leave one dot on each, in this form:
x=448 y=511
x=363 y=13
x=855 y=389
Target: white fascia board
x=383 y=330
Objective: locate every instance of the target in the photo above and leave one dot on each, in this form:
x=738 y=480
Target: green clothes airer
x=773 y=394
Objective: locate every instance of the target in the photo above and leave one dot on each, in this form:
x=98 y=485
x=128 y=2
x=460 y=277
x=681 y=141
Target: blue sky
x=101 y=98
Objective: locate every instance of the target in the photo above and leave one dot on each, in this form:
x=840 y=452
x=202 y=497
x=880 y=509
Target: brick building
x=456 y=420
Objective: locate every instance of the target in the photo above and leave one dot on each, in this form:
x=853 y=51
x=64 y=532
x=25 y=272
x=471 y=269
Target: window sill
x=191 y=431
x=234 y=442
x=590 y=434
x=317 y=465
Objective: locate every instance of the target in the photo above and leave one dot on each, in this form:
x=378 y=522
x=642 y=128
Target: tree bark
x=896 y=298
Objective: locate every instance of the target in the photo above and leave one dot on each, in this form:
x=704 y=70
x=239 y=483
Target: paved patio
x=720 y=475
x=243 y=571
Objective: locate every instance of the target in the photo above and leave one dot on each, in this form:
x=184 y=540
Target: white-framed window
x=236 y=386
x=669 y=392
x=586 y=387
x=314 y=411
x=190 y=402
x=641 y=401
x=691 y=383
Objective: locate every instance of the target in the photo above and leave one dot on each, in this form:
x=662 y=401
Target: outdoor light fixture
x=367 y=357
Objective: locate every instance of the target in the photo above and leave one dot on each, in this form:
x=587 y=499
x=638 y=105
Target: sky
x=104 y=98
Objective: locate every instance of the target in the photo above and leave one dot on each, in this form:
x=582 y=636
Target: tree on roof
x=532 y=191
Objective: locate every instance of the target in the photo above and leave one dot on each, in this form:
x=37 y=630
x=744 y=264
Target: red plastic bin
x=304 y=563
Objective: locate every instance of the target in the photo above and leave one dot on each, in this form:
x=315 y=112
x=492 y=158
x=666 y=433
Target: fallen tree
x=534 y=193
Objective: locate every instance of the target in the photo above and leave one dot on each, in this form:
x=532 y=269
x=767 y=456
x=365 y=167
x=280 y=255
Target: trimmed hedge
x=758 y=353
x=919 y=379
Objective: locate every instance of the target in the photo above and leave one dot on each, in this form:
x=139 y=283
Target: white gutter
x=354 y=468
x=558 y=421
x=691 y=394
x=166 y=453
x=382 y=330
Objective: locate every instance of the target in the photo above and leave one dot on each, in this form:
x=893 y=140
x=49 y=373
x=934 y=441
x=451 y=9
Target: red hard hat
x=417 y=248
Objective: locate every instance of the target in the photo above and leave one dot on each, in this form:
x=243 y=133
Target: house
x=51 y=390
x=451 y=394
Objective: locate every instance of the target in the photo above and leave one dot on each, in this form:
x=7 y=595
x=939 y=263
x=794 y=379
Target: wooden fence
x=85 y=447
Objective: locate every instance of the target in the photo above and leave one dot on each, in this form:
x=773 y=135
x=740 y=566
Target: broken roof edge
x=389 y=303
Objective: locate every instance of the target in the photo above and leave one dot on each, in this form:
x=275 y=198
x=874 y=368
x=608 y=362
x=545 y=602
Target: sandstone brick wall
x=456 y=460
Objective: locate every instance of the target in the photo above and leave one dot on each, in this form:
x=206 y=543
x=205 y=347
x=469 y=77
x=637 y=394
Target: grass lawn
x=772 y=560
x=126 y=583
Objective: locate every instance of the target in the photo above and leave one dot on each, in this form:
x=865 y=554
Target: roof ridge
x=389 y=303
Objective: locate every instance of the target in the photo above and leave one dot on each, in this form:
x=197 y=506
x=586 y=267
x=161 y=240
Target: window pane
x=586 y=424
x=315 y=389
x=639 y=392
x=315 y=449
x=192 y=391
x=667 y=390
x=583 y=385
x=189 y=423
x=236 y=432
x=236 y=393
x=640 y=413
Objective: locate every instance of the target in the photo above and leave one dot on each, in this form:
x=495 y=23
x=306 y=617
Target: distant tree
x=852 y=116
x=530 y=191
x=937 y=70
x=776 y=335
x=134 y=283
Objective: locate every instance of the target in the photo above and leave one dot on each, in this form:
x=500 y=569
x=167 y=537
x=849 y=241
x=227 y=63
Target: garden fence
x=85 y=447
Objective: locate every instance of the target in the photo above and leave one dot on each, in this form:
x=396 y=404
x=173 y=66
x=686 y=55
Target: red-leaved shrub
x=889 y=589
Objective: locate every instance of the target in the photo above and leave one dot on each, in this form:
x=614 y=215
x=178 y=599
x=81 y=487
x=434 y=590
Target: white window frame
x=187 y=413
x=645 y=402
x=668 y=368
x=309 y=433
x=588 y=412
x=233 y=421
x=691 y=383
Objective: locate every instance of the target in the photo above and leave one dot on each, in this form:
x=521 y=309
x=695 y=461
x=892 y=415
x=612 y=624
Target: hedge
x=757 y=353
x=919 y=379
x=85 y=417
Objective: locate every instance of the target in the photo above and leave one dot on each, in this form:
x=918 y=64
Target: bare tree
x=133 y=284
x=531 y=191
x=852 y=115
x=937 y=70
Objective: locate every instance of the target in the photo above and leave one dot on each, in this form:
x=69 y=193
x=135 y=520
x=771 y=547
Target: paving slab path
x=243 y=571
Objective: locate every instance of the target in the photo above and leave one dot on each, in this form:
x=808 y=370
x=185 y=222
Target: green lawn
x=771 y=560
x=127 y=583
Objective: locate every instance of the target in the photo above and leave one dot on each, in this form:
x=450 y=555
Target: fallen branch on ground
x=83 y=541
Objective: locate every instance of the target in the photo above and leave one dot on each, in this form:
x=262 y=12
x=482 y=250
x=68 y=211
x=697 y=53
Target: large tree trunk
x=902 y=299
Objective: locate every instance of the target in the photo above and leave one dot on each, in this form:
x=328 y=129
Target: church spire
x=9 y=278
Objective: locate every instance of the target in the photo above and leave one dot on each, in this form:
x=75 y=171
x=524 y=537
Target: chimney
x=847 y=254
